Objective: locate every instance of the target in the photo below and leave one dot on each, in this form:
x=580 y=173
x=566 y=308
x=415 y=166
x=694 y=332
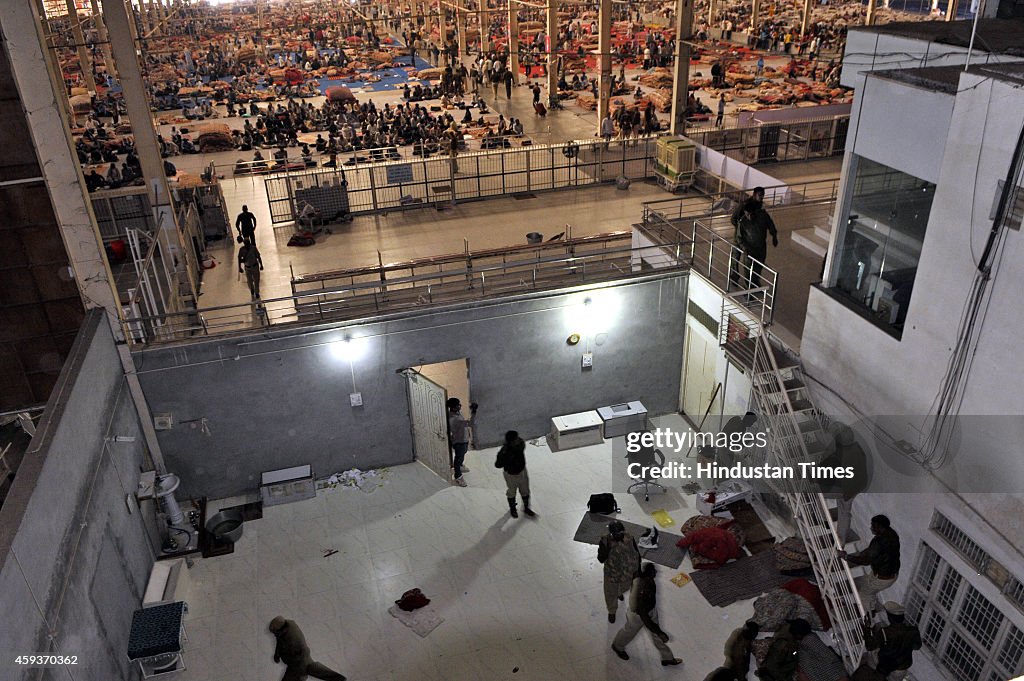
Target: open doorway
x=429 y=387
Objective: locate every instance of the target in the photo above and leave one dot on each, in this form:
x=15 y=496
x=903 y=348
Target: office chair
x=646 y=457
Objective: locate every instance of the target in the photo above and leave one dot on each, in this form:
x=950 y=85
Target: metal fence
x=777 y=140
x=410 y=183
x=417 y=285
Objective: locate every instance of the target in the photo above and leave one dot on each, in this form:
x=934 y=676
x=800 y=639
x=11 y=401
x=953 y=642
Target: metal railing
x=417 y=285
x=776 y=140
x=416 y=182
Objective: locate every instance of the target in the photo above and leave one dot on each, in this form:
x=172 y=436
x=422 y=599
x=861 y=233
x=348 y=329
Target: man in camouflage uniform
x=618 y=551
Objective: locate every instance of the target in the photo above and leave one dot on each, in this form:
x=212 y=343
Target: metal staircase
x=797 y=433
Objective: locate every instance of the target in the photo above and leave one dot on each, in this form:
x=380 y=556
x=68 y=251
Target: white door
x=698 y=374
x=429 y=423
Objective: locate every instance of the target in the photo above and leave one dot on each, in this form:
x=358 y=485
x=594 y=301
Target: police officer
x=895 y=643
x=753 y=224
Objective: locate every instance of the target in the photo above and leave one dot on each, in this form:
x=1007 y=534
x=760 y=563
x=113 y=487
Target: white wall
x=740 y=174
x=904 y=126
x=879 y=375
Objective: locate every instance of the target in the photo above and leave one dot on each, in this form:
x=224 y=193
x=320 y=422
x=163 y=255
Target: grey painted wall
x=278 y=400
x=68 y=545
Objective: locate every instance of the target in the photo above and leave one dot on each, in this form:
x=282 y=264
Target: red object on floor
x=812 y=594
x=714 y=543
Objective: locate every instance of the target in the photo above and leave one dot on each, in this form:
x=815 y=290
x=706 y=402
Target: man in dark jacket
x=512 y=460
x=291 y=649
x=895 y=643
x=245 y=225
x=883 y=556
x=643 y=613
x=250 y=263
x=753 y=224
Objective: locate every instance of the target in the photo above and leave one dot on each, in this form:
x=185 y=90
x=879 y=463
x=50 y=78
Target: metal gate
x=429 y=423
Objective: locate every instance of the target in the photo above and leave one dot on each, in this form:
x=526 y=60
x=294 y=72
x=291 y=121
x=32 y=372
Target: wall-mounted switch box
x=588 y=360
x=163 y=421
x=355 y=399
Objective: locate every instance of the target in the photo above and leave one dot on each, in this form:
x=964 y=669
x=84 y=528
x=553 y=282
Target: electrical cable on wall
x=946 y=406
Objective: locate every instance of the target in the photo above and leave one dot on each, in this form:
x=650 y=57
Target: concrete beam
x=460 y=27
x=84 y=59
x=134 y=92
x=42 y=94
x=101 y=35
x=604 y=60
x=755 y=16
x=869 y=16
x=681 y=68
x=805 y=18
x=951 y=8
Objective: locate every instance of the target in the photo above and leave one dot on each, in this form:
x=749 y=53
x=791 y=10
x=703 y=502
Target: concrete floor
x=520 y=599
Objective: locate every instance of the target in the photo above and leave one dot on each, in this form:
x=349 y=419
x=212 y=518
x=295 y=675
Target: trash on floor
x=662 y=517
x=681 y=580
x=367 y=481
x=413 y=599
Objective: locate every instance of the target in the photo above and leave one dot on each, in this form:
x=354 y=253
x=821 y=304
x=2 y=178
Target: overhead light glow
x=348 y=349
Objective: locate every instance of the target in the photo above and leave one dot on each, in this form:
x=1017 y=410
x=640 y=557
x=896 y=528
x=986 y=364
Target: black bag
x=603 y=503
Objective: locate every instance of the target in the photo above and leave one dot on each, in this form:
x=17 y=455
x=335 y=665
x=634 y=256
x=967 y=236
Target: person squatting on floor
x=512 y=460
x=643 y=613
x=250 y=263
x=619 y=554
x=883 y=556
x=738 y=648
x=459 y=435
x=291 y=649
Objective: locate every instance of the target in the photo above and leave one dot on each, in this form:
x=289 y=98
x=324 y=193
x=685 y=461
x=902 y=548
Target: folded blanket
x=716 y=544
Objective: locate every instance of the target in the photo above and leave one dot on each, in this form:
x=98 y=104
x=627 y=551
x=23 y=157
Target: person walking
x=895 y=643
x=619 y=554
x=291 y=649
x=245 y=225
x=509 y=79
x=721 y=110
x=643 y=613
x=459 y=435
x=753 y=224
x=883 y=557
x=512 y=460
x=250 y=263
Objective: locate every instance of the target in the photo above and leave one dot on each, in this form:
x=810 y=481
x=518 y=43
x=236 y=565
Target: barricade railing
x=417 y=285
x=416 y=182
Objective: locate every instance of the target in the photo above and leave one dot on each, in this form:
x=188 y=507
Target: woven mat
x=594 y=526
x=740 y=580
x=422 y=621
x=758 y=537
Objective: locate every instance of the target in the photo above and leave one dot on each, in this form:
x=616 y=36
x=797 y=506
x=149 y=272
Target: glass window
x=880 y=241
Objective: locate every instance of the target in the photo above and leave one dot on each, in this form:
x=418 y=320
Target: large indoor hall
x=524 y=340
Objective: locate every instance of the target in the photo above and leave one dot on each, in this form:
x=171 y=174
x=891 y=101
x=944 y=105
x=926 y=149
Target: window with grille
x=1015 y=592
x=958 y=539
x=969 y=637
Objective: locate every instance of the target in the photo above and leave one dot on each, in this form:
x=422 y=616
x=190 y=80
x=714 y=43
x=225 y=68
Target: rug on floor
x=594 y=526
x=758 y=537
x=422 y=621
x=740 y=580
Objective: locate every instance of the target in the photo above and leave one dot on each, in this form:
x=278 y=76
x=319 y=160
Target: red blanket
x=812 y=594
x=714 y=543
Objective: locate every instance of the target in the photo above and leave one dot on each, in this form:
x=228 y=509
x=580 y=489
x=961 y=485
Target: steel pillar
x=513 y=40
x=552 y=50
x=604 y=60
